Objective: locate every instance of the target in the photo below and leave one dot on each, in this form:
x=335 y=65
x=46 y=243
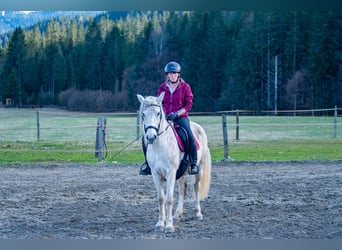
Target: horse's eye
x=158 y=114
x=143 y=116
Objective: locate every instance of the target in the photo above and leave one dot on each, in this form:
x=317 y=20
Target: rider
x=177 y=103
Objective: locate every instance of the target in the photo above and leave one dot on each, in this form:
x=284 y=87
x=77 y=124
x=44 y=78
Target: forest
x=247 y=60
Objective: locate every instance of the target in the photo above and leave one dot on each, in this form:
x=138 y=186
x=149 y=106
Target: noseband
x=160 y=119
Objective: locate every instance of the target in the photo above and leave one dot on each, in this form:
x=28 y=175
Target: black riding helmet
x=172 y=67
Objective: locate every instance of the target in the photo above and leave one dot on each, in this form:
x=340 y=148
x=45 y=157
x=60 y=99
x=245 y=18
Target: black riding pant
x=185 y=123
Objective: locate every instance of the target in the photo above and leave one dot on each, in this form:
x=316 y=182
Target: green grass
x=16 y=152
x=70 y=137
x=276 y=150
x=288 y=150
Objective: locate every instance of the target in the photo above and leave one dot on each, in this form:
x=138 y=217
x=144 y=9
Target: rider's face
x=173 y=76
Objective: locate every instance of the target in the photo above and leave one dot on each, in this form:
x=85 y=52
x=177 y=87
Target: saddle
x=182 y=138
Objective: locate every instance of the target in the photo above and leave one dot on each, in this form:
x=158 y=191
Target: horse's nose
x=150 y=138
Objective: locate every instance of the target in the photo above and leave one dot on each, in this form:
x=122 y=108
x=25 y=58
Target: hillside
x=9 y=20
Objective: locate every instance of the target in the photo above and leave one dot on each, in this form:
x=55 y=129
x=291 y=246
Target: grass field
x=70 y=137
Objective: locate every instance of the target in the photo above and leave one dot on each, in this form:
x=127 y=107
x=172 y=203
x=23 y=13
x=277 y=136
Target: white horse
x=164 y=156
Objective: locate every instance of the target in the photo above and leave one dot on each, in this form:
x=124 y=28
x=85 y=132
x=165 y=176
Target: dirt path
x=246 y=201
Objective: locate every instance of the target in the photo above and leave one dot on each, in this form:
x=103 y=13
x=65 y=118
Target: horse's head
x=151 y=114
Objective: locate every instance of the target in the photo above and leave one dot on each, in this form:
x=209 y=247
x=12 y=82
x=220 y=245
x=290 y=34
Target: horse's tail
x=206 y=177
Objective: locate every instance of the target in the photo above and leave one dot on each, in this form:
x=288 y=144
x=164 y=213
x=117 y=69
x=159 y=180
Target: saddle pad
x=181 y=142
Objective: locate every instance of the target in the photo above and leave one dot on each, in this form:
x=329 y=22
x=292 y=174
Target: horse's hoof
x=158 y=229
x=199 y=217
x=169 y=230
x=177 y=218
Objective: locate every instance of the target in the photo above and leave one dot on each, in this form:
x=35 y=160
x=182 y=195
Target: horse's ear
x=161 y=97
x=140 y=98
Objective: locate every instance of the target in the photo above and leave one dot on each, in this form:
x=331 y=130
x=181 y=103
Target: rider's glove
x=172 y=116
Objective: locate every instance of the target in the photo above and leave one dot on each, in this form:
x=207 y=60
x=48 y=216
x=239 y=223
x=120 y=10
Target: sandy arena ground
x=264 y=200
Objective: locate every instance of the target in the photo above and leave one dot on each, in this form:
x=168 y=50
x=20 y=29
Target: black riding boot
x=194 y=168
x=144 y=168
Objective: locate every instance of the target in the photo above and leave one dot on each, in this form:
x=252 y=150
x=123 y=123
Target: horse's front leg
x=159 y=227
x=169 y=202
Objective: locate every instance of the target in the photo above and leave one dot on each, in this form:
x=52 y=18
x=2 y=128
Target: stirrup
x=193 y=169
x=145 y=169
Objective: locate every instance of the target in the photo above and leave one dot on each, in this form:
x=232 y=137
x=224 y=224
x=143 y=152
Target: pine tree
x=91 y=62
x=13 y=73
x=32 y=79
x=114 y=63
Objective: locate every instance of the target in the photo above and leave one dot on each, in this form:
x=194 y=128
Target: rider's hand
x=172 y=116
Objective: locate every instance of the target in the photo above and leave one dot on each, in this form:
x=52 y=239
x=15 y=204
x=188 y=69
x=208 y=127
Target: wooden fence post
x=237 y=125
x=38 y=125
x=100 y=145
x=225 y=135
x=335 y=122
x=138 y=125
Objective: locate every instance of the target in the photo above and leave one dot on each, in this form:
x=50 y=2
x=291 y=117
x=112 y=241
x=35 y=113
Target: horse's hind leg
x=182 y=186
x=198 y=211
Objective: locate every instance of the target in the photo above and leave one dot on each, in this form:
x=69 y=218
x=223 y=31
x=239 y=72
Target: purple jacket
x=180 y=98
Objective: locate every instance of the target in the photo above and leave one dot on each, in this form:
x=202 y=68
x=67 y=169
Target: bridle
x=160 y=120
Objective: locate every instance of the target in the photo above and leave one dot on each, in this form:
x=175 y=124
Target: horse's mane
x=149 y=101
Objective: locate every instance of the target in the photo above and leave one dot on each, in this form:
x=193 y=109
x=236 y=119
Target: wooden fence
x=294 y=113
x=222 y=127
